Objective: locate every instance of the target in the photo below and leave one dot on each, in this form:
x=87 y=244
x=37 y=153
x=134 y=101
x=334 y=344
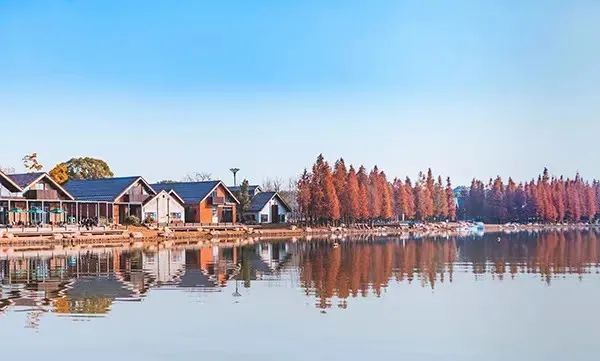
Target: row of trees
x=328 y=195
x=547 y=199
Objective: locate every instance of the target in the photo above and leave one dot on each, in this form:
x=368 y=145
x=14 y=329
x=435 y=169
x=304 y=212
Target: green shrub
x=131 y=221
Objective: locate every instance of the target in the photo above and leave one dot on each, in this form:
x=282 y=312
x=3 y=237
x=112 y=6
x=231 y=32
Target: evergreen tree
x=451 y=203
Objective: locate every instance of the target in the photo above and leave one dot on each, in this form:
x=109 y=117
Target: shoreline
x=142 y=237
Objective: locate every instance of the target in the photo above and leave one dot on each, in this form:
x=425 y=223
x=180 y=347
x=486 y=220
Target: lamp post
x=234 y=171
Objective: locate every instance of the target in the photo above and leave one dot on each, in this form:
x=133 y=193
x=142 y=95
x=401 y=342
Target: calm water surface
x=526 y=296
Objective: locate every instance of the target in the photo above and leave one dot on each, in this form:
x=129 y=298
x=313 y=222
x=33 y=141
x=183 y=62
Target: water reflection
x=86 y=283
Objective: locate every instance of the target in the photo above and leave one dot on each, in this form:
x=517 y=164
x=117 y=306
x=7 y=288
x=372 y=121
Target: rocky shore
x=216 y=235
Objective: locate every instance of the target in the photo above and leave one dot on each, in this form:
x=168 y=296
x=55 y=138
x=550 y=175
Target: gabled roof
x=193 y=192
x=93 y=287
x=25 y=180
x=171 y=192
x=174 y=194
x=259 y=201
x=9 y=183
x=195 y=278
x=104 y=189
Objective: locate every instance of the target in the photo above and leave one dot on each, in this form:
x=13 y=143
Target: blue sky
x=163 y=88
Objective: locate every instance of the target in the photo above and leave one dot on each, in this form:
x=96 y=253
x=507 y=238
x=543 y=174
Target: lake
x=522 y=296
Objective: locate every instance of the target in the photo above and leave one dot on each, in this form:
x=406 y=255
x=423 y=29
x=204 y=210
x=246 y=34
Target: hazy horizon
x=164 y=89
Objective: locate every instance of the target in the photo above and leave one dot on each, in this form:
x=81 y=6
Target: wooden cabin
x=208 y=202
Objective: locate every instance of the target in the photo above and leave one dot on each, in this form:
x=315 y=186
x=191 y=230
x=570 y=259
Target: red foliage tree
x=375 y=194
x=363 y=195
x=387 y=201
x=340 y=175
x=353 y=192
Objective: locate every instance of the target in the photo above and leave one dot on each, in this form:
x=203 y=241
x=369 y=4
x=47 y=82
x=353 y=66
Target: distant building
x=252 y=190
x=33 y=198
x=166 y=207
x=267 y=207
x=112 y=198
x=205 y=202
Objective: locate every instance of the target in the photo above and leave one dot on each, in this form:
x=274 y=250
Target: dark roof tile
x=100 y=190
x=190 y=192
x=24 y=179
x=259 y=201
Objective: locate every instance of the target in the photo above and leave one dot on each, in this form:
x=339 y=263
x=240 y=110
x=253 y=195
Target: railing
x=41 y=194
x=217 y=200
x=135 y=198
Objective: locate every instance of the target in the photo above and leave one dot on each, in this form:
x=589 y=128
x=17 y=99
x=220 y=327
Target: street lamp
x=234 y=171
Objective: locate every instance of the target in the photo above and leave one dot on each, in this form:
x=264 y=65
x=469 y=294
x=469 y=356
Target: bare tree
x=272 y=184
x=7 y=170
x=31 y=163
x=197 y=177
x=289 y=195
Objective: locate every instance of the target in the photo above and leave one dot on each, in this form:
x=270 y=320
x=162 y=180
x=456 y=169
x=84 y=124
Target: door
x=274 y=213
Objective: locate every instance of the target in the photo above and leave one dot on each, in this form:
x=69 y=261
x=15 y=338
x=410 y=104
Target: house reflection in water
x=78 y=283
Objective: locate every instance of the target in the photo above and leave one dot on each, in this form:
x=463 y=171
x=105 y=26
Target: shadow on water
x=86 y=283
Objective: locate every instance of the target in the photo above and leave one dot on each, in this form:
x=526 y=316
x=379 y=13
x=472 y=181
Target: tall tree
x=243 y=196
x=423 y=198
x=496 y=202
x=450 y=201
x=387 y=201
x=409 y=206
x=304 y=195
x=325 y=202
x=375 y=194
x=440 y=201
x=363 y=195
x=340 y=175
x=353 y=194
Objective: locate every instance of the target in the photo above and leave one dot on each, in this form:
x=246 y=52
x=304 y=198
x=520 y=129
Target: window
x=175 y=215
x=39 y=186
x=150 y=217
x=264 y=218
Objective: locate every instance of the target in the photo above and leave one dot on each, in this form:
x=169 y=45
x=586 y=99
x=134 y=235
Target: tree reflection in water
x=86 y=283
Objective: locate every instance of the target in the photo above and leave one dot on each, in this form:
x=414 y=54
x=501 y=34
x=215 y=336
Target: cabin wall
x=266 y=211
x=165 y=207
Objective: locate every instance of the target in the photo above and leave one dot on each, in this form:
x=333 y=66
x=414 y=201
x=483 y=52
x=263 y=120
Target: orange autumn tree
x=341 y=194
x=340 y=175
x=375 y=194
x=363 y=195
x=353 y=194
x=324 y=205
x=409 y=207
x=546 y=199
x=387 y=200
